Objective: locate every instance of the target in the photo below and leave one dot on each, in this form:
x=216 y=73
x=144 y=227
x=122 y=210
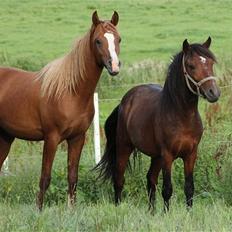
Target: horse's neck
x=180 y=101
x=91 y=77
x=88 y=85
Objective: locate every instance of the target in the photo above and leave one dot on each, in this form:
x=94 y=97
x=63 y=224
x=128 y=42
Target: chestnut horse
x=163 y=123
x=56 y=103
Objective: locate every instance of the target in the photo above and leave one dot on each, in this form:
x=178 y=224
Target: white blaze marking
x=113 y=54
x=203 y=59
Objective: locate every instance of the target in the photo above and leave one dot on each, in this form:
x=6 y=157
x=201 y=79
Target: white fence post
x=97 y=146
x=6 y=165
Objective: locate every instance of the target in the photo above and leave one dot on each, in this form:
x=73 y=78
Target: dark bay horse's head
x=105 y=41
x=198 y=63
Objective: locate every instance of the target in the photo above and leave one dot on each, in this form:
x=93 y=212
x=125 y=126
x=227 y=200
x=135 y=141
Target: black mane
x=175 y=90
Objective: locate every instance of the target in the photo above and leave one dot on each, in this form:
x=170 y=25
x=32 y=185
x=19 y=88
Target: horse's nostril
x=110 y=62
x=211 y=92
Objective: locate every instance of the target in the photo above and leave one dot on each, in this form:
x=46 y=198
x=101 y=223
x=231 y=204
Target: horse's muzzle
x=212 y=94
x=113 y=68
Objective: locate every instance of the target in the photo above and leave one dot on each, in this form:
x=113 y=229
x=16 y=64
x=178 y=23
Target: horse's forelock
x=202 y=51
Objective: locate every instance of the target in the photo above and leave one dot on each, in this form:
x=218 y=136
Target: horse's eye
x=192 y=67
x=98 y=42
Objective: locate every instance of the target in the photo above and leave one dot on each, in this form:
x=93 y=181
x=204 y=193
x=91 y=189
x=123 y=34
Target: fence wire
x=29 y=156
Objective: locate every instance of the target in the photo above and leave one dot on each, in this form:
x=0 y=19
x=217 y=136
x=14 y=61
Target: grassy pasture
x=34 y=32
x=39 y=31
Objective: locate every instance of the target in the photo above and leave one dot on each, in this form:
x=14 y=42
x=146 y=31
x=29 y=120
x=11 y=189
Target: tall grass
x=104 y=216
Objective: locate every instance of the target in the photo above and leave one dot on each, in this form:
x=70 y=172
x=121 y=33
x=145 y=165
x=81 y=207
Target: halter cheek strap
x=189 y=79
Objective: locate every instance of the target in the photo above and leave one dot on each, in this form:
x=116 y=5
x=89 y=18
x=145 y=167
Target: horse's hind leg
x=49 y=150
x=74 y=152
x=5 y=144
x=152 y=179
x=189 y=162
x=167 y=160
x=123 y=154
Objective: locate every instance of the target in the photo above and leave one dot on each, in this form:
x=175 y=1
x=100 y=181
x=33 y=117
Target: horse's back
x=12 y=79
x=8 y=72
x=142 y=97
x=146 y=89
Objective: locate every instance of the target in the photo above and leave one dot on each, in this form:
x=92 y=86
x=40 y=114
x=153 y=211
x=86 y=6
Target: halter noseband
x=196 y=84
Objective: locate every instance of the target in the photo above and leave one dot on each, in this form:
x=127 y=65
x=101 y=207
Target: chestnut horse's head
x=105 y=42
x=197 y=65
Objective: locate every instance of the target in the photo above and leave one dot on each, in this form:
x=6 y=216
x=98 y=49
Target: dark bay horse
x=56 y=103
x=163 y=123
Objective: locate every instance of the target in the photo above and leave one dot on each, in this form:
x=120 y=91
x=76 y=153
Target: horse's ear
x=185 y=46
x=95 y=18
x=115 y=18
x=207 y=43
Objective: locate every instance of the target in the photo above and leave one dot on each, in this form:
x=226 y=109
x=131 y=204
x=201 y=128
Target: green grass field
x=42 y=30
x=34 y=32
x=105 y=217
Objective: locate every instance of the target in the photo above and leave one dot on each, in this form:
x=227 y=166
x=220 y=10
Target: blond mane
x=64 y=74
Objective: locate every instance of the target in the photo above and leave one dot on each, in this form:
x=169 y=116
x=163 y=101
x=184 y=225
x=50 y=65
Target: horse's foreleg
x=5 y=144
x=167 y=160
x=123 y=154
x=152 y=180
x=75 y=146
x=189 y=162
x=49 y=150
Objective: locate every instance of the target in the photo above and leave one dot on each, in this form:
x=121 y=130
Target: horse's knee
x=72 y=178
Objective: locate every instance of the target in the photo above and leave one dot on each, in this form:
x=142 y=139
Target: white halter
x=196 y=84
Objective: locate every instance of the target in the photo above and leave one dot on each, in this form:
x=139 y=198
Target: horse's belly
x=144 y=141
x=153 y=150
x=22 y=130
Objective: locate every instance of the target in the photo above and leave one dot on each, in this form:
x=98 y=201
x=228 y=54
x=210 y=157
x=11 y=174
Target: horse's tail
x=106 y=166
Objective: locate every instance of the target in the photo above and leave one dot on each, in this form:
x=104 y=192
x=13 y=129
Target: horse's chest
x=183 y=136
x=79 y=122
x=73 y=119
x=184 y=143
